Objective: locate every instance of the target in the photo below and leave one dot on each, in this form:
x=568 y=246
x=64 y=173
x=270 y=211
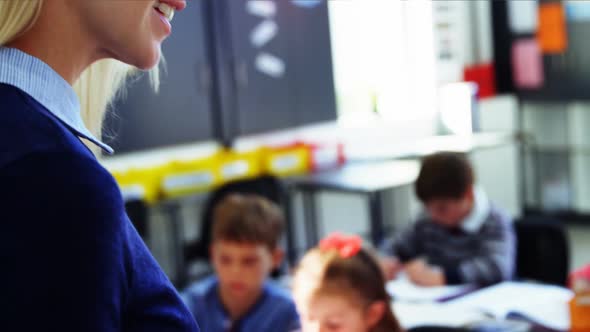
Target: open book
x=540 y=304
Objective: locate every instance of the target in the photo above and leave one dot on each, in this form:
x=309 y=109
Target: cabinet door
x=263 y=76
x=181 y=111
x=310 y=56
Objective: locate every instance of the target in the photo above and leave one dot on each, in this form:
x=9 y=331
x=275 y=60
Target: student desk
x=508 y=306
x=370 y=179
x=425 y=146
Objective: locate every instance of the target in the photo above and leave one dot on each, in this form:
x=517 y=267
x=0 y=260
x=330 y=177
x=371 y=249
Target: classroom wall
x=557 y=174
x=498 y=174
x=580 y=246
x=499 y=113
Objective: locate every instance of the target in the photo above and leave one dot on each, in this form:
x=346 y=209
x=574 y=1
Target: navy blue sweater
x=70 y=258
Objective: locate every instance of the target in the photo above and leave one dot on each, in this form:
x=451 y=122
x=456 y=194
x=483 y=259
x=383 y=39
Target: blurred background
x=339 y=100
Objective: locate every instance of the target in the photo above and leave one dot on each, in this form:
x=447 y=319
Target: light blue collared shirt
x=273 y=312
x=479 y=213
x=41 y=82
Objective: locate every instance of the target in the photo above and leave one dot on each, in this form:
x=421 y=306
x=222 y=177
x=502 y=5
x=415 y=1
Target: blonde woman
x=70 y=259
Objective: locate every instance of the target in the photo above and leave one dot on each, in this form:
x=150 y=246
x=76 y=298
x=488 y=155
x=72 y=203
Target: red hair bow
x=347 y=246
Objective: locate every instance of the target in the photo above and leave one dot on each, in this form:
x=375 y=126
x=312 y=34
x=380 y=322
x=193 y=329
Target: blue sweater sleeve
x=71 y=261
x=62 y=246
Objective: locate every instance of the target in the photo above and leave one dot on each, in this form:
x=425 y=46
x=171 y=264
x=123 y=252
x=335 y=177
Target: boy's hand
x=390 y=266
x=423 y=274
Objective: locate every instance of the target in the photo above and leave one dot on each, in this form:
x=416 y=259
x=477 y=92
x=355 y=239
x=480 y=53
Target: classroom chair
x=267 y=186
x=137 y=211
x=542 y=250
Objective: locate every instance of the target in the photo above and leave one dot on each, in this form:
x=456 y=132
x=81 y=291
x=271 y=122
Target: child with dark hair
x=245 y=249
x=462 y=238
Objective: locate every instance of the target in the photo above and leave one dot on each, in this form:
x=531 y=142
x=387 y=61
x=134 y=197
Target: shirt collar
x=47 y=87
x=479 y=213
x=218 y=304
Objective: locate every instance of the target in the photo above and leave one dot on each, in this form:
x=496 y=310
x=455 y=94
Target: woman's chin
x=148 y=59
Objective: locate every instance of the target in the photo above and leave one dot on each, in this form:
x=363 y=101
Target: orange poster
x=552 y=33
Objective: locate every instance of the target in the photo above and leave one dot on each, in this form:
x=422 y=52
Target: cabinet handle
x=242 y=73
x=204 y=77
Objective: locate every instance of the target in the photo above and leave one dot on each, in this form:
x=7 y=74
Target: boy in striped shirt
x=462 y=238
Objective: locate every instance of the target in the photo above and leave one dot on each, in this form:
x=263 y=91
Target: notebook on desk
x=402 y=289
x=543 y=305
x=417 y=314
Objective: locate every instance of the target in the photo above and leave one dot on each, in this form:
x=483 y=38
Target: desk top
x=359 y=177
x=537 y=304
x=423 y=147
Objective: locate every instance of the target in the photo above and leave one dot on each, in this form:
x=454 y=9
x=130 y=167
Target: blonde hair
x=358 y=278
x=98 y=84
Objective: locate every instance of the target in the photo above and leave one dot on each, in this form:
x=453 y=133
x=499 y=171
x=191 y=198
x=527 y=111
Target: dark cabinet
x=310 y=54
x=259 y=45
x=282 y=64
x=234 y=67
x=181 y=112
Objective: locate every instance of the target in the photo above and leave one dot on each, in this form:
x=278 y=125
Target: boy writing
x=461 y=239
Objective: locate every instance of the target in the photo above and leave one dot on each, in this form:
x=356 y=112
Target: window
x=384 y=62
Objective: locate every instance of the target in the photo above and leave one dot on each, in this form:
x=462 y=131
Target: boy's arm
x=397 y=251
x=495 y=260
x=404 y=245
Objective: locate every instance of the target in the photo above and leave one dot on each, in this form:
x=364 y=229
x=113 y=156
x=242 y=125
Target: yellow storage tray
x=140 y=183
x=287 y=160
x=189 y=177
x=234 y=166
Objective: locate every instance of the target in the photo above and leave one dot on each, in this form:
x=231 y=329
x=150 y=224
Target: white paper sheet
x=542 y=304
x=402 y=289
x=412 y=315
